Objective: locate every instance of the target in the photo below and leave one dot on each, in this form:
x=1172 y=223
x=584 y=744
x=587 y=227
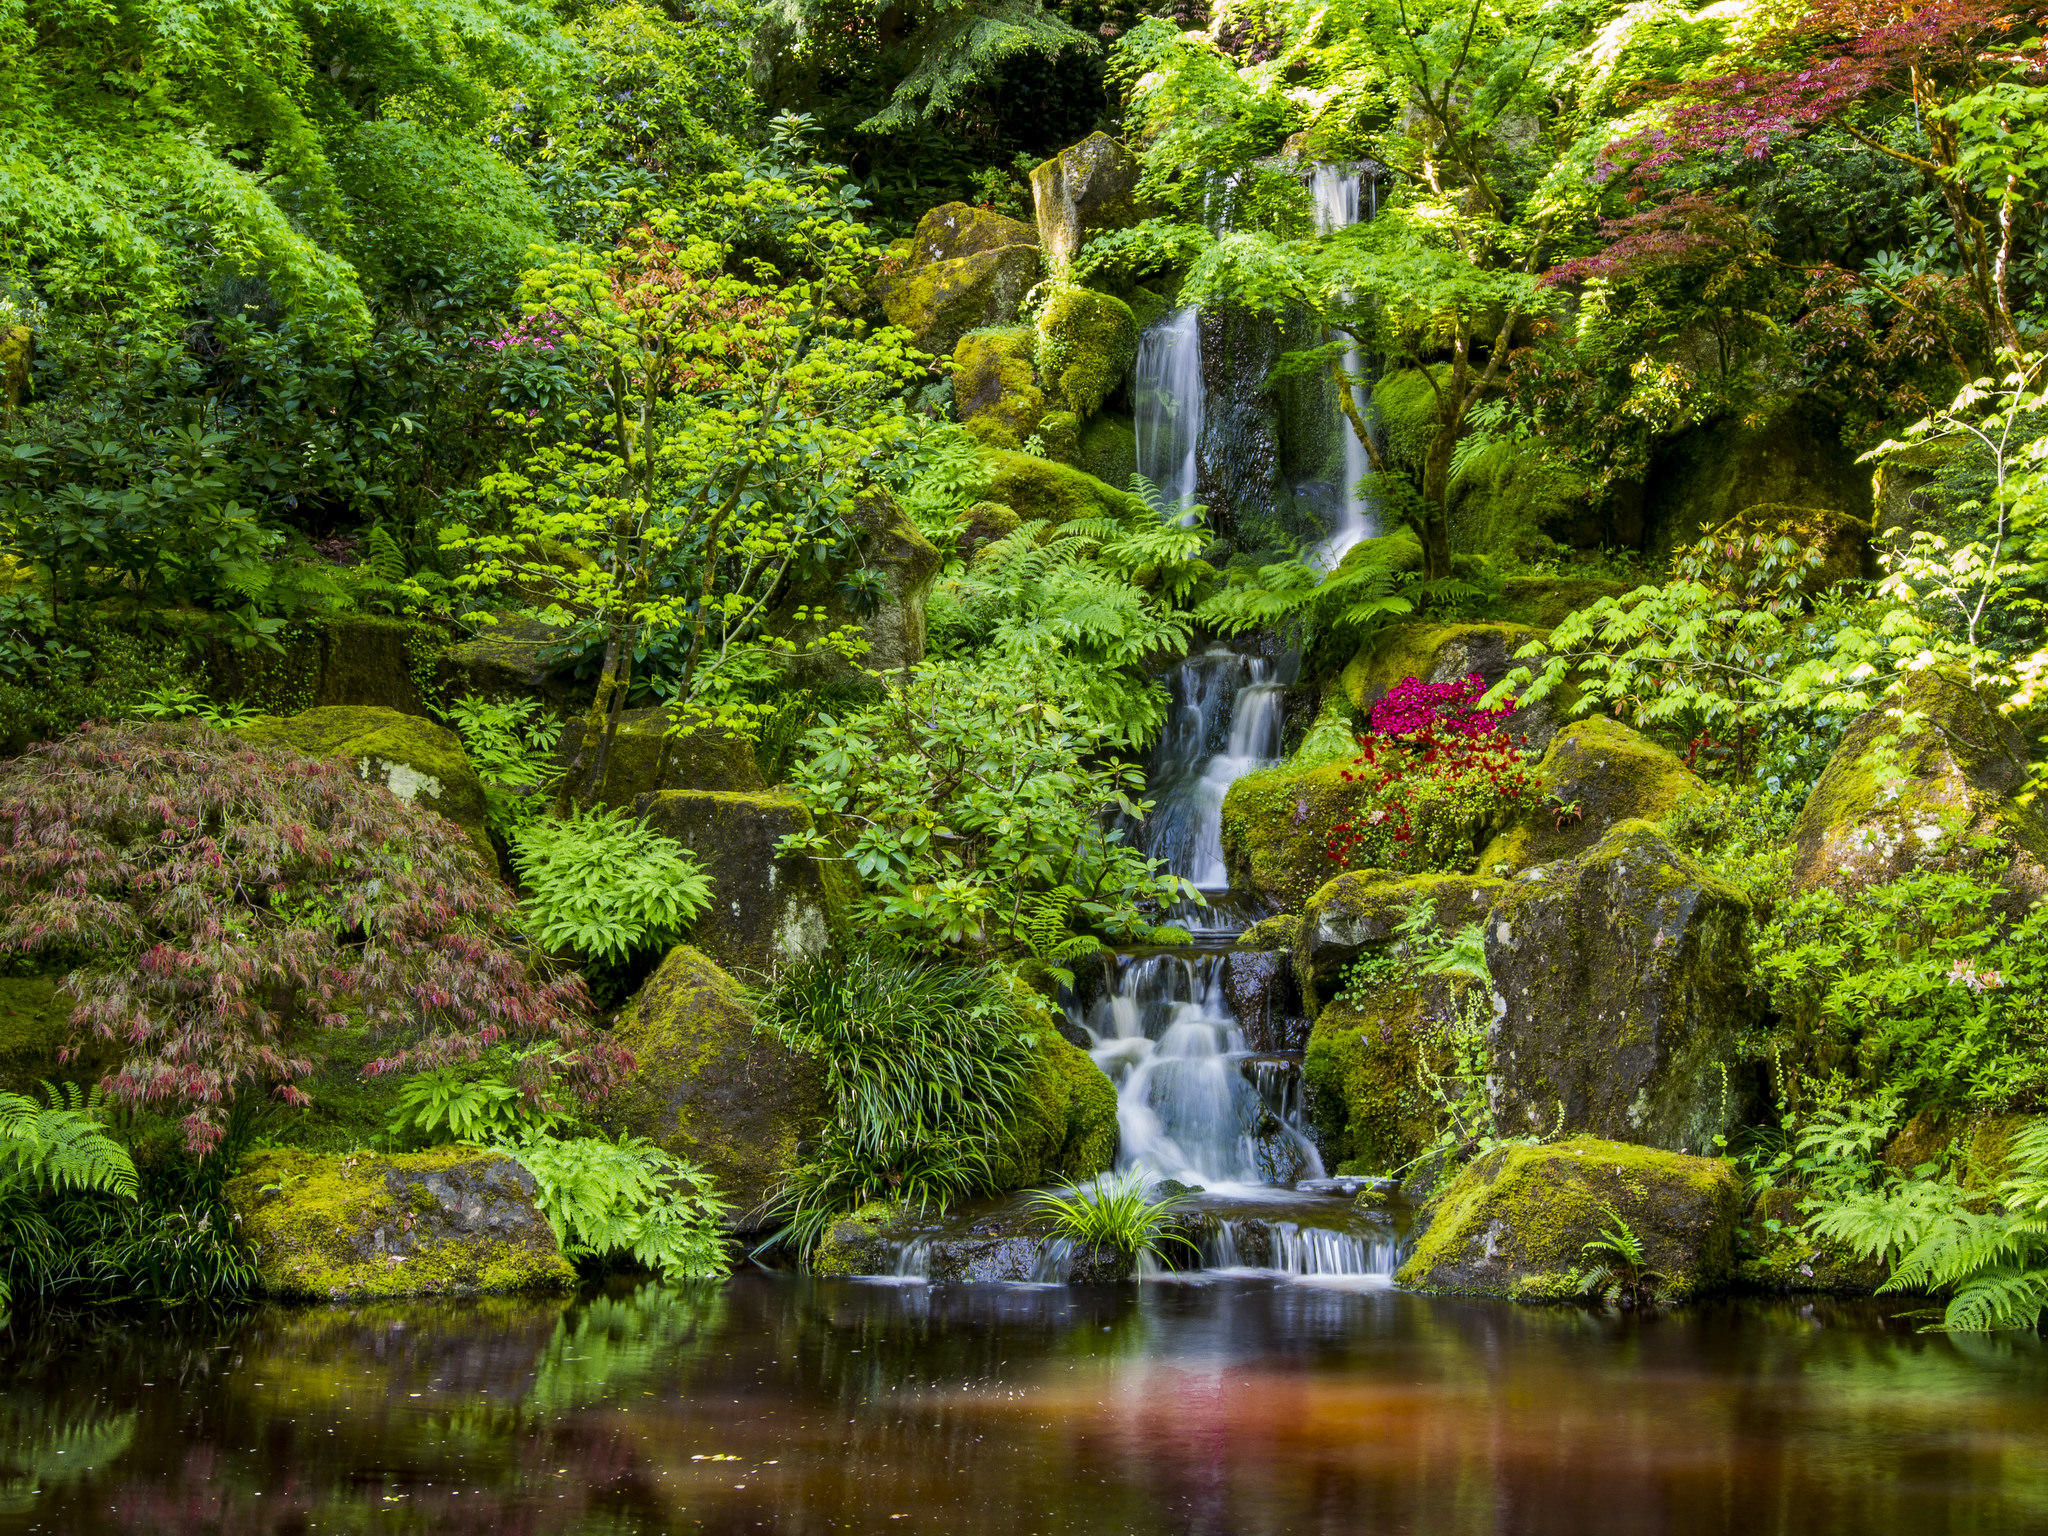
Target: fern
x=384 y=559
x=959 y=50
x=606 y=1198
x=510 y=741
x=60 y=1145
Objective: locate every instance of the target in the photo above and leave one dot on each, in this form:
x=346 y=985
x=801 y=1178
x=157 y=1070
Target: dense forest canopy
x=721 y=399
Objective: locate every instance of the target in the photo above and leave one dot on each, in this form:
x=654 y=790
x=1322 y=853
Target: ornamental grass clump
x=220 y=903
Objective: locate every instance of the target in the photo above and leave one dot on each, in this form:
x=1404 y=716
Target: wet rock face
x=1926 y=786
x=1259 y=986
x=1515 y=1222
x=1620 y=985
x=710 y=1087
x=1599 y=773
x=1084 y=188
x=766 y=908
x=354 y=1226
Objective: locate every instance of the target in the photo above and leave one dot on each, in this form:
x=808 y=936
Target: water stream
x=1336 y=189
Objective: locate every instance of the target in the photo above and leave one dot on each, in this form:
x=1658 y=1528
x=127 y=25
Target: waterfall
x=1168 y=392
x=1193 y=1103
x=1335 y=189
x=1226 y=722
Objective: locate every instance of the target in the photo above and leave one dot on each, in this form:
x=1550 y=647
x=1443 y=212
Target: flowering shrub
x=1413 y=707
x=1435 y=795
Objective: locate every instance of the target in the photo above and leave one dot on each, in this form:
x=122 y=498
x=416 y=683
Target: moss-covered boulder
x=711 y=1087
x=1780 y=1255
x=420 y=762
x=1515 y=1222
x=1066 y=1125
x=1109 y=449
x=17 y=357
x=1082 y=190
x=965 y=268
x=1361 y=1075
x=983 y=524
x=646 y=758
x=1596 y=774
x=995 y=386
x=1087 y=342
x=1787 y=454
x=901 y=564
x=1938 y=781
x=1544 y=602
x=1357 y=912
x=1841 y=539
x=359 y=1226
x=861 y=1242
x=343 y=658
x=1042 y=490
x=1622 y=983
x=515 y=658
x=767 y=909
x=1444 y=653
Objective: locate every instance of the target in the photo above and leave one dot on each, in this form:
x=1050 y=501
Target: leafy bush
x=923 y=1063
x=1433 y=797
x=510 y=742
x=967 y=790
x=628 y=1196
x=1112 y=1210
x=602 y=886
x=231 y=900
x=504 y=1097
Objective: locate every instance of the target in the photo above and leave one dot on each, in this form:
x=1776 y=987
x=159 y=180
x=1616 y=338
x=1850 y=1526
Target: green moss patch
x=1597 y=774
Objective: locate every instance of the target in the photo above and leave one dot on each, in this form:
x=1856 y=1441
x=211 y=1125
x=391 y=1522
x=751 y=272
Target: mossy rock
x=1109 y=449
x=1396 y=553
x=1841 y=538
x=515 y=658
x=646 y=759
x=861 y=1242
x=1332 y=737
x=904 y=564
x=35 y=1021
x=1087 y=342
x=995 y=386
x=1361 y=1077
x=1943 y=794
x=953 y=230
x=1611 y=774
x=1066 y=1127
x=420 y=762
x=1444 y=653
x=1622 y=985
x=1275 y=932
x=362 y=1226
x=983 y=524
x=1042 y=490
x=344 y=658
x=349 y=1110
x=1787 y=454
x=712 y=1087
x=1084 y=189
x=938 y=302
x=1544 y=602
x=17 y=358
x=1515 y=1222
x=767 y=908
x=1780 y=1255
x=1358 y=912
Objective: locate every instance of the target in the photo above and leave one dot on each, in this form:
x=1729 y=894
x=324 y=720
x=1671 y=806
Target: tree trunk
x=1436 y=491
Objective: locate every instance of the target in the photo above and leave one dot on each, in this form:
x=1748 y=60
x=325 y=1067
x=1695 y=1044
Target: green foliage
x=506 y=1097
x=1313 y=609
x=1112 y=1210
x=510 y=743
x=603 y=886
x=966 y=790
x=923 y=1062
x=179 y=701
x=627 y=1196
x=1621 y=1272
x=60 y=1143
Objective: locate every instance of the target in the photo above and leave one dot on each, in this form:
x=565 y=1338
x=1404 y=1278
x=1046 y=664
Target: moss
x=711 y=1087
x=1407 y=409
x=1394 y=553
x=1612 y=774
x=1269 y=933
x=1332 y=738
x=953 y=230
x=1544 y=602
x=1041 y=490
x=34 y=1023
x=983 y=524
x=1086 y=187
x=418 y=761
x=449 y=1222
x=645 y=759
x=1515 y=1221
x=1780 y=1255
x=1359 y=911
x=1423 y=650
x=1109 y=449
x=1361 y=1077
x=1066 y=1127
x=1787 y=453
x=349 y=1111
x=857 y=1243
x=17 y=354
x=1087 y=342
x=995 y=386
x=938 y=302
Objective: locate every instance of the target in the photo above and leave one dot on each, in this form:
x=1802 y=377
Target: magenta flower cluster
x=1412 y=707
x=541 y=332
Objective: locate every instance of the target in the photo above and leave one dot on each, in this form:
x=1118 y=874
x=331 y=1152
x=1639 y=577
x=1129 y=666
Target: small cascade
x=1167 y=389
x=1226 y=722
x=1336 y=189
x=1193 y=1103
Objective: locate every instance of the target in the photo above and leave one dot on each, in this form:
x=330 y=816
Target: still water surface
x=1232 y=1406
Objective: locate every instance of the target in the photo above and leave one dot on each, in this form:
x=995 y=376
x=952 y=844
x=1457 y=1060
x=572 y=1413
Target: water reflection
x=1229 y=1407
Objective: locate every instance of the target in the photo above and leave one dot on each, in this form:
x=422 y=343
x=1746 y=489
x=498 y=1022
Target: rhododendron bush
x=1441 y=778
x=221 y=903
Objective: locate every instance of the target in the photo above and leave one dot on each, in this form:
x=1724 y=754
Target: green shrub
x=605 y=1198
x=603 y=887
x=511 y=744
x=1111 y=1210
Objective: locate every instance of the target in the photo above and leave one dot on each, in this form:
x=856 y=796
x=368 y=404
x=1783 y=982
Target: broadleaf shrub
x=602 y=885
x=1433 y=796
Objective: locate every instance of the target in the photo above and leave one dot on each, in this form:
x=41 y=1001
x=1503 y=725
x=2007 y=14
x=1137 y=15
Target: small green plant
x=1112 y=1210
x=505 y=1096
x=1621 y=1271
x=179 y=701
x=48 y=1150
x=603 y=886
x=511 y=742
x=628 y=1196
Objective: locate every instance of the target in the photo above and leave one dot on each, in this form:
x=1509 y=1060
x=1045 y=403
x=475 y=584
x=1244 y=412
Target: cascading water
x=1167 y=390
x=1336 y=191
x=1226 y=722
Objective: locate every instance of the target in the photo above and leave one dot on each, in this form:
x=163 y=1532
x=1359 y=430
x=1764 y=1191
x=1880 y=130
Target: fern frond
x=61 y=1145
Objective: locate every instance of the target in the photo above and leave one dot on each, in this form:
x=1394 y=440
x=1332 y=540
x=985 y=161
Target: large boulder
x=1086 y=188
x=1445 y=653
x=515 y=658
x=1596 y=774
x=995 y=386
x=357 y=1226
x=1515 y=1222
x=1788 y=455
x=646 y=758
x=1042 y=490
x=1362 y=1075
x=1087 y=342
x=711 y=1087
x=1357 y=912
x=1066 y=1126
x=1258 y=984
x=1937 y=781
x=1621 y=984
x=964 y=268
x=420 y=762
x=901 y=563
x=343 y=658
x=767 y=908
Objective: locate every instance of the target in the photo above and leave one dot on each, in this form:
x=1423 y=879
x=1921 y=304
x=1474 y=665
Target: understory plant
x=602 y=886
x=55 y=1147
x=923 y=1064
x=509 y=742
x=1112 y=1210
x=1620 y=1270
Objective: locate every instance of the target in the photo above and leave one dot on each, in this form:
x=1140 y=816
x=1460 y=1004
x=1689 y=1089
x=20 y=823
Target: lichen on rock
x=1087 y=342
x=1515 y=1222
x=358 y=1226
x=1596 y=774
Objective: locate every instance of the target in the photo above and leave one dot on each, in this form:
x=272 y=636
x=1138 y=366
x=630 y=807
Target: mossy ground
x=1042 y=490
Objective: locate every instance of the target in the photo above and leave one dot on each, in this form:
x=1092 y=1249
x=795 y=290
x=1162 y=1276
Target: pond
x=1238 y=1406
